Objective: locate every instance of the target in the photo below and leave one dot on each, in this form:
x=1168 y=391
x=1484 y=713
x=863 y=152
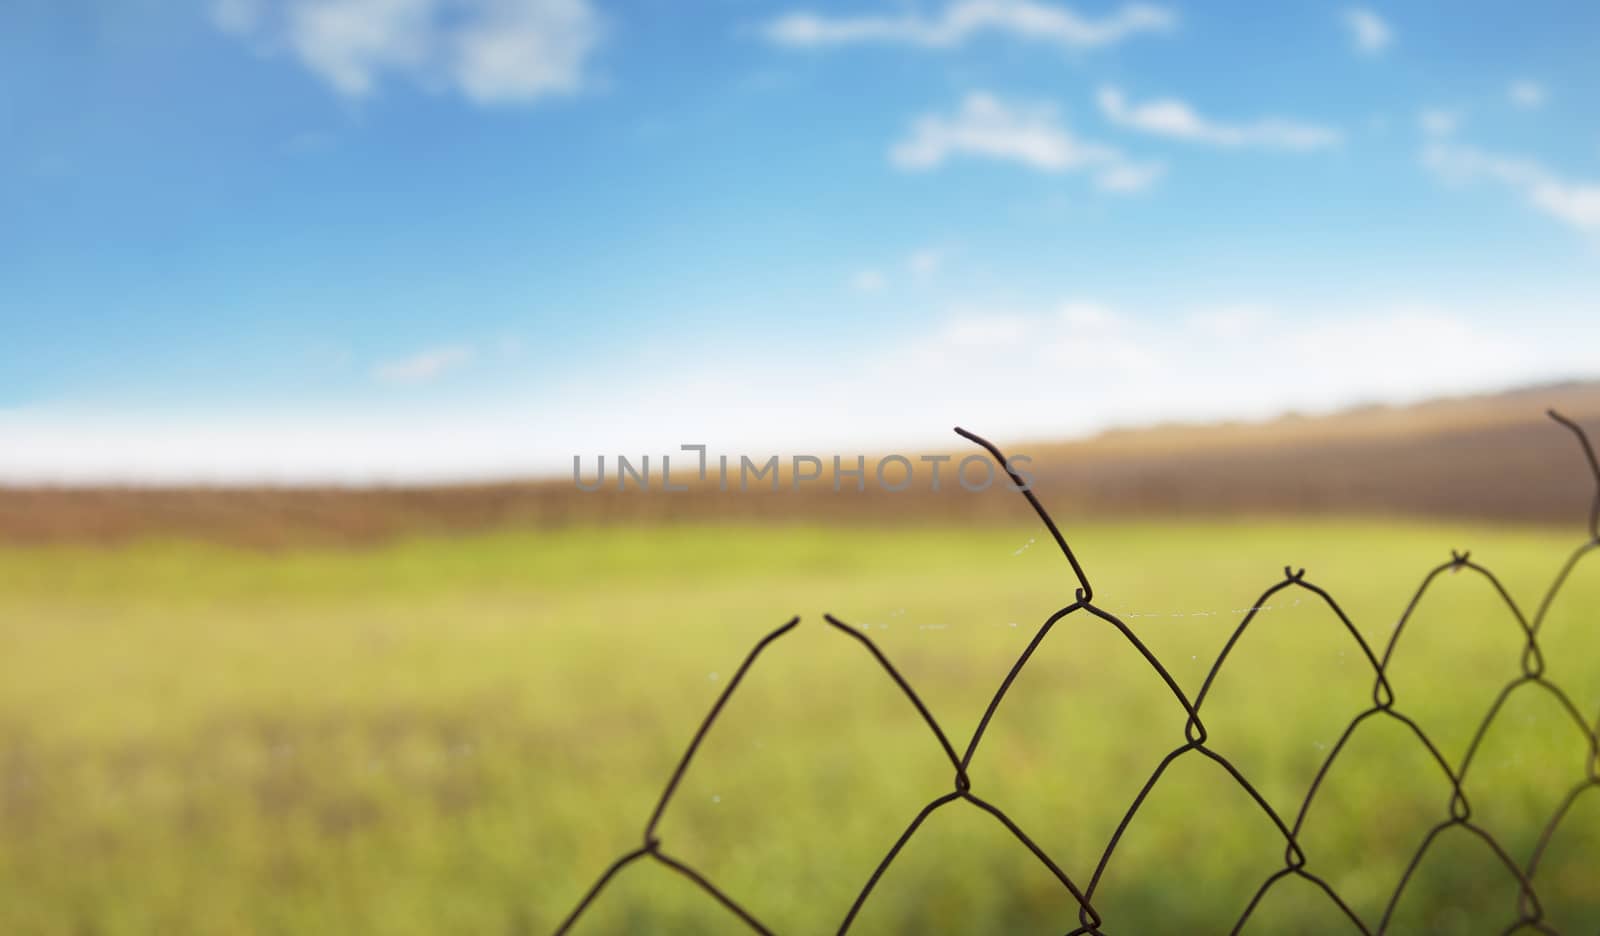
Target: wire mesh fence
x=1525 y=915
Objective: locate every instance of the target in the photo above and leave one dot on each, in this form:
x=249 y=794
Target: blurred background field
x=310 y=306
x=459 y=733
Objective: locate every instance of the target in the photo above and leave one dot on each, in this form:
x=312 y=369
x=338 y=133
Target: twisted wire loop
x=1527 y=915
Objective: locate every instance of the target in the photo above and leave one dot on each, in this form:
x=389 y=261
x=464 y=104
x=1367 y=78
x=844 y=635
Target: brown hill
x=1491 y=457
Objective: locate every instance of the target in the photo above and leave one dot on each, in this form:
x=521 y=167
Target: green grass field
x=458 y=736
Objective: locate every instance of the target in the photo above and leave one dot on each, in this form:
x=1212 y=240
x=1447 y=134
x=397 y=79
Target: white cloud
x=1229 y=322
x=423 y=366
x=1576 y=204
x=1041 y=371
x=920 y=265
x=1170 y=117
x=1129 y=178
x=1437 y=122
x=983 y=331
x=1086 y=314
x=925 y=263
x=1030 y=134
x=1368 y=30
x=1526 y=94
x=868 y=281
x=1238 y=362
x=491 y=51
x=964 y=19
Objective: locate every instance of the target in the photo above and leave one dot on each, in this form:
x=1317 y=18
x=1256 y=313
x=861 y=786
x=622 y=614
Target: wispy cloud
x=423 y=366
x=965 y=19
x=1438 y=122
x=491 y=51
x=1029 y=134
x=1129 y=178
x=988 y=127
x=1576 y=204
x=1526 y=94
x=925 y=263
x=868 y=281
x=1173 y=118
x=1368 y=31
x=920 y=266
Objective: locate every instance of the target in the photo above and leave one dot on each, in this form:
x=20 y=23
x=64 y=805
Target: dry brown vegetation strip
x=1444 y=459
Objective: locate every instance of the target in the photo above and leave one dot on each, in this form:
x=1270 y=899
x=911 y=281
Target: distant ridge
x=1490 y=457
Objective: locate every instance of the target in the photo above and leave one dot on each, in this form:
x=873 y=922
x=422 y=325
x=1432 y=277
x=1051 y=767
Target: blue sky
x=395 y=239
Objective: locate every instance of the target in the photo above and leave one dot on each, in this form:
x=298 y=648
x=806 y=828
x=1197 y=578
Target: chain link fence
x=1525 y=915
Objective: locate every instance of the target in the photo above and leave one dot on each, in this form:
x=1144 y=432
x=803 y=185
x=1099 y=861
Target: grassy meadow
x=458 y=734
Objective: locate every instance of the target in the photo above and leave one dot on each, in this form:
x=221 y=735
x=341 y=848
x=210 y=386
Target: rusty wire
x=1528 y=913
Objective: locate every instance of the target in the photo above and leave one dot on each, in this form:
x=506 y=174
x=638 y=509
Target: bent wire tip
x=1085 y=590
x=1594 y=467
x=974 y=437
x=1583 y=438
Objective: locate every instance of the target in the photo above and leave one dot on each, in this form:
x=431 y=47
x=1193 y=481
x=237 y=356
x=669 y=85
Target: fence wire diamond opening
x=1527 y=914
